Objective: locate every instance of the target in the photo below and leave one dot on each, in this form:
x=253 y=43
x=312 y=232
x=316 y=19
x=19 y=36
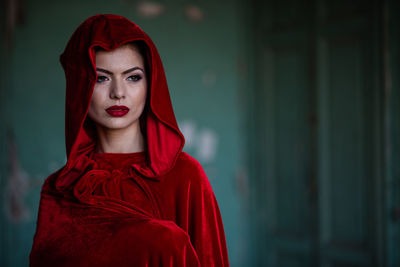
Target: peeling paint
x=188 y=128
x=15 y=16
x=207 y=145
x=17 y=187
x=203 y=141
x=194 y=13
x=209 y=78
x=150 y=9
x=242 y=183
x=53 y=166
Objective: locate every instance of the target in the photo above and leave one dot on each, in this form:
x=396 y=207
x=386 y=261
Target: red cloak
x=152 y=208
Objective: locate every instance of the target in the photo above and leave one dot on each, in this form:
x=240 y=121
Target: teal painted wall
x=393 y=133
x=204 y=66
x=325 y=171
x=211 y=70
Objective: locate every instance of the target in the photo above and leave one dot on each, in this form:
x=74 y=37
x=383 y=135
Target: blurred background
x=291 y=106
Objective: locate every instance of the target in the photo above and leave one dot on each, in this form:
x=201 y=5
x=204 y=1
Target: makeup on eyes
x=124 y=72
x=135 y=77
x=137 y=74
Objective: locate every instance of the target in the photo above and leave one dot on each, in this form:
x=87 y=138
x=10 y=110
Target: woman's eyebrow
x=125 y=72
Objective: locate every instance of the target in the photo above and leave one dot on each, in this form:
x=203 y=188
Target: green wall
x=392 y=124
x=325 y=171
x=215 y=78
x=204 y=66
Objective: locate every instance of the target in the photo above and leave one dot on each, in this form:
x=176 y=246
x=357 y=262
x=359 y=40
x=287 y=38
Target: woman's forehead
x=124 y=55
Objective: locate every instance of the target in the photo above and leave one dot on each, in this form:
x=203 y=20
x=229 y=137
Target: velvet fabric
x=150 y=208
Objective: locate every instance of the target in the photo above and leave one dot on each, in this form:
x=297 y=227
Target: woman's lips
x=117 y=111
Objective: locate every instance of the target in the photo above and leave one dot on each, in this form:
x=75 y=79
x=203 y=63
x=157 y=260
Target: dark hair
x=143 y=51
x=142 y=48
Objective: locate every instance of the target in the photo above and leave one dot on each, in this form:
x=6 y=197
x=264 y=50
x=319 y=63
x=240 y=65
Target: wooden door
x=318 y=195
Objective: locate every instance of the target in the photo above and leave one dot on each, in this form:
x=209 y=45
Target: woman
x=128 y=195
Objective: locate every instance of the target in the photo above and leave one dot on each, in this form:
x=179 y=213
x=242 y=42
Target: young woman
x=128 y=195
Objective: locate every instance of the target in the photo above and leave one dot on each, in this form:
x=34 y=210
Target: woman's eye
x=134 y=78
x=101 y=79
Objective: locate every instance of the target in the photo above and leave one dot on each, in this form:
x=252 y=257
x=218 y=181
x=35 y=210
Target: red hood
x=163 y=138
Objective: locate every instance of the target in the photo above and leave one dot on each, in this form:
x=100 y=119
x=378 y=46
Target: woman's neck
x=127 y=140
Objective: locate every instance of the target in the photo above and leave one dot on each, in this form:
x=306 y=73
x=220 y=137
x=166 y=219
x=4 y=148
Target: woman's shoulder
x=191 y=170
x=187 y=162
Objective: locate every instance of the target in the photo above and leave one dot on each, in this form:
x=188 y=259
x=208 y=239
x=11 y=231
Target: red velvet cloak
x=171 y=217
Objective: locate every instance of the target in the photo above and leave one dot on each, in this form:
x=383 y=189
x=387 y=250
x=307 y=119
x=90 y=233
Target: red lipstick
x=117 y=111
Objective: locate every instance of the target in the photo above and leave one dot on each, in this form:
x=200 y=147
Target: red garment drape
x=152 y=208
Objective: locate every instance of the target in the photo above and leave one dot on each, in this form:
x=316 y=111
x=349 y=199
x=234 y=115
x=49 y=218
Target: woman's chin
x=116 y=125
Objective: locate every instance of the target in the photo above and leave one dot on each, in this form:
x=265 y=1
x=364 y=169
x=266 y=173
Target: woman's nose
x=117 y=90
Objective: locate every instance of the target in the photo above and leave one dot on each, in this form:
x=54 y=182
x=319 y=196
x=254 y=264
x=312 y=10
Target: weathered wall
x=202 y=54
x=392 y=123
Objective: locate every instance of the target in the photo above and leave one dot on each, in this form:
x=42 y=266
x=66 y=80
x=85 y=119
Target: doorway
x=318 y=199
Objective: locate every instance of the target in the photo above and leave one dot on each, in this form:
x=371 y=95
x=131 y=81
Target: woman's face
x=119 y=94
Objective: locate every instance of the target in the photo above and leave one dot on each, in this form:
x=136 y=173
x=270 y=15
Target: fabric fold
x=149 y=208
